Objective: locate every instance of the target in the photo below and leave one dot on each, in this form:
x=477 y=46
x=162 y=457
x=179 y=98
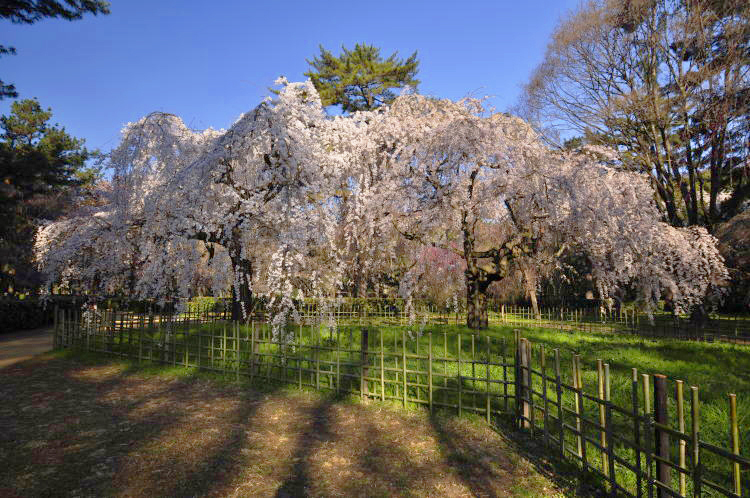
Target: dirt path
x=23 y=345
x=70 y=428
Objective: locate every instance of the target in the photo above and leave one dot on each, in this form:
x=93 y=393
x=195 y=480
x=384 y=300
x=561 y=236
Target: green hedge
x=31 y=313
x=24 y=314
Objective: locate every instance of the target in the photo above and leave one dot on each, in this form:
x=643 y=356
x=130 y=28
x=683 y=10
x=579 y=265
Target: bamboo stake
x=529 y=385
x=682 y=443
x=317 y=359
x=224 y=349
x=579 y=371
x=382 y=369
x=577 y=400
x=56 y=324
x=608 y=419
x=647 y=432
x=558 y=389
x=543 y=366
x=429 y=367
x=473 y=370
x=602 y=417
x=487 y=384
x=445 y=363
x=403 y=361
x=735 y=438
x=695 y=441
x=661 y=437
x=460 y=404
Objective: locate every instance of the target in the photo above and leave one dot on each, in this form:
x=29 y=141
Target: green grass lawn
x=332 y=359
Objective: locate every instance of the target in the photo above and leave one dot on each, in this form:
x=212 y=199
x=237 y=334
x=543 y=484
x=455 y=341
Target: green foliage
x=18 y=314
x=31 y=11
x=360 y=79
x=205 y=304
x=40 y=167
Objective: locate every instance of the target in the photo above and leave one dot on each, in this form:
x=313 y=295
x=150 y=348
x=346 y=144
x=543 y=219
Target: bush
x=31 y=313
x=18 y=314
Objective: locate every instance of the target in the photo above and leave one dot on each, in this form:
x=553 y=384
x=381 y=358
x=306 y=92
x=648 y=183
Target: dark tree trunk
x=476 y=299
x=699 y=316
x=668 y=303
x=534 y=305
x=242 y=296
x=529 y=278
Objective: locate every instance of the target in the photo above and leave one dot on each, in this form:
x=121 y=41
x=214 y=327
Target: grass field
x=716 y=368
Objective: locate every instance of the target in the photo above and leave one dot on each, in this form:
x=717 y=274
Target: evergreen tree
x=40 y=166
x=360 y=79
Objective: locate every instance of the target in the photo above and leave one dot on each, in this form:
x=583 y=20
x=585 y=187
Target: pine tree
x=360 y=79
x=40 y=164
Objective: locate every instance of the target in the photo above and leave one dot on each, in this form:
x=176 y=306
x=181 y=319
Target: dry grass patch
x=72 y=427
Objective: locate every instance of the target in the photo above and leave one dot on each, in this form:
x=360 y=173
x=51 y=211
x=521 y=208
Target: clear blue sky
x=210 y=61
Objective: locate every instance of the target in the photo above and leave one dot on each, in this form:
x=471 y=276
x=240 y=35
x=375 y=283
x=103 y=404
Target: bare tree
x=666 y=83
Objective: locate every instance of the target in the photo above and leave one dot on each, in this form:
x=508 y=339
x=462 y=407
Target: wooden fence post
x=682 y=443
x=577 y=407
x=56 y=324
x=636 y=433
x=735 y=440
x=661 y=437
x=486 y=387
x=581 y=406
x=602 y=417
x=460 y=381
x=523 y=383
x=529 y=384
x=543 y=366
x=403 y=362
x=382 y=369
x=517 y=378
x=429 y=366
x=610 y=439
x=364 y=371
x=559 y=392
x=317 y=358
x=695 y=441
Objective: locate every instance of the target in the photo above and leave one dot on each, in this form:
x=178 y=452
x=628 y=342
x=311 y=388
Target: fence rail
x=649 y=446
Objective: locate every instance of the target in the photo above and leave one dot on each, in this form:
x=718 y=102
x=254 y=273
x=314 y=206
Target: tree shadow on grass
x=509 y=465
x=100 y=429
x=72 y=428
x=318 y=431
x=300 y=480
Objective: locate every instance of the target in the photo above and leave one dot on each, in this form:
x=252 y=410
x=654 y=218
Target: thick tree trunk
x=242 y=296
x=699 y=316
x=245 y=297
x=476 y=299
x=534 y=304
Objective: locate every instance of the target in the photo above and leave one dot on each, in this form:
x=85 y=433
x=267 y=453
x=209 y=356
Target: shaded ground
x=22 y=345
x=75 y=426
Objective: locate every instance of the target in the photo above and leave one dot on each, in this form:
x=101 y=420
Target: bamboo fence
x=651 y=446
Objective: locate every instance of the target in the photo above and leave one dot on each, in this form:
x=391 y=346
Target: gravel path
x=23 y=345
